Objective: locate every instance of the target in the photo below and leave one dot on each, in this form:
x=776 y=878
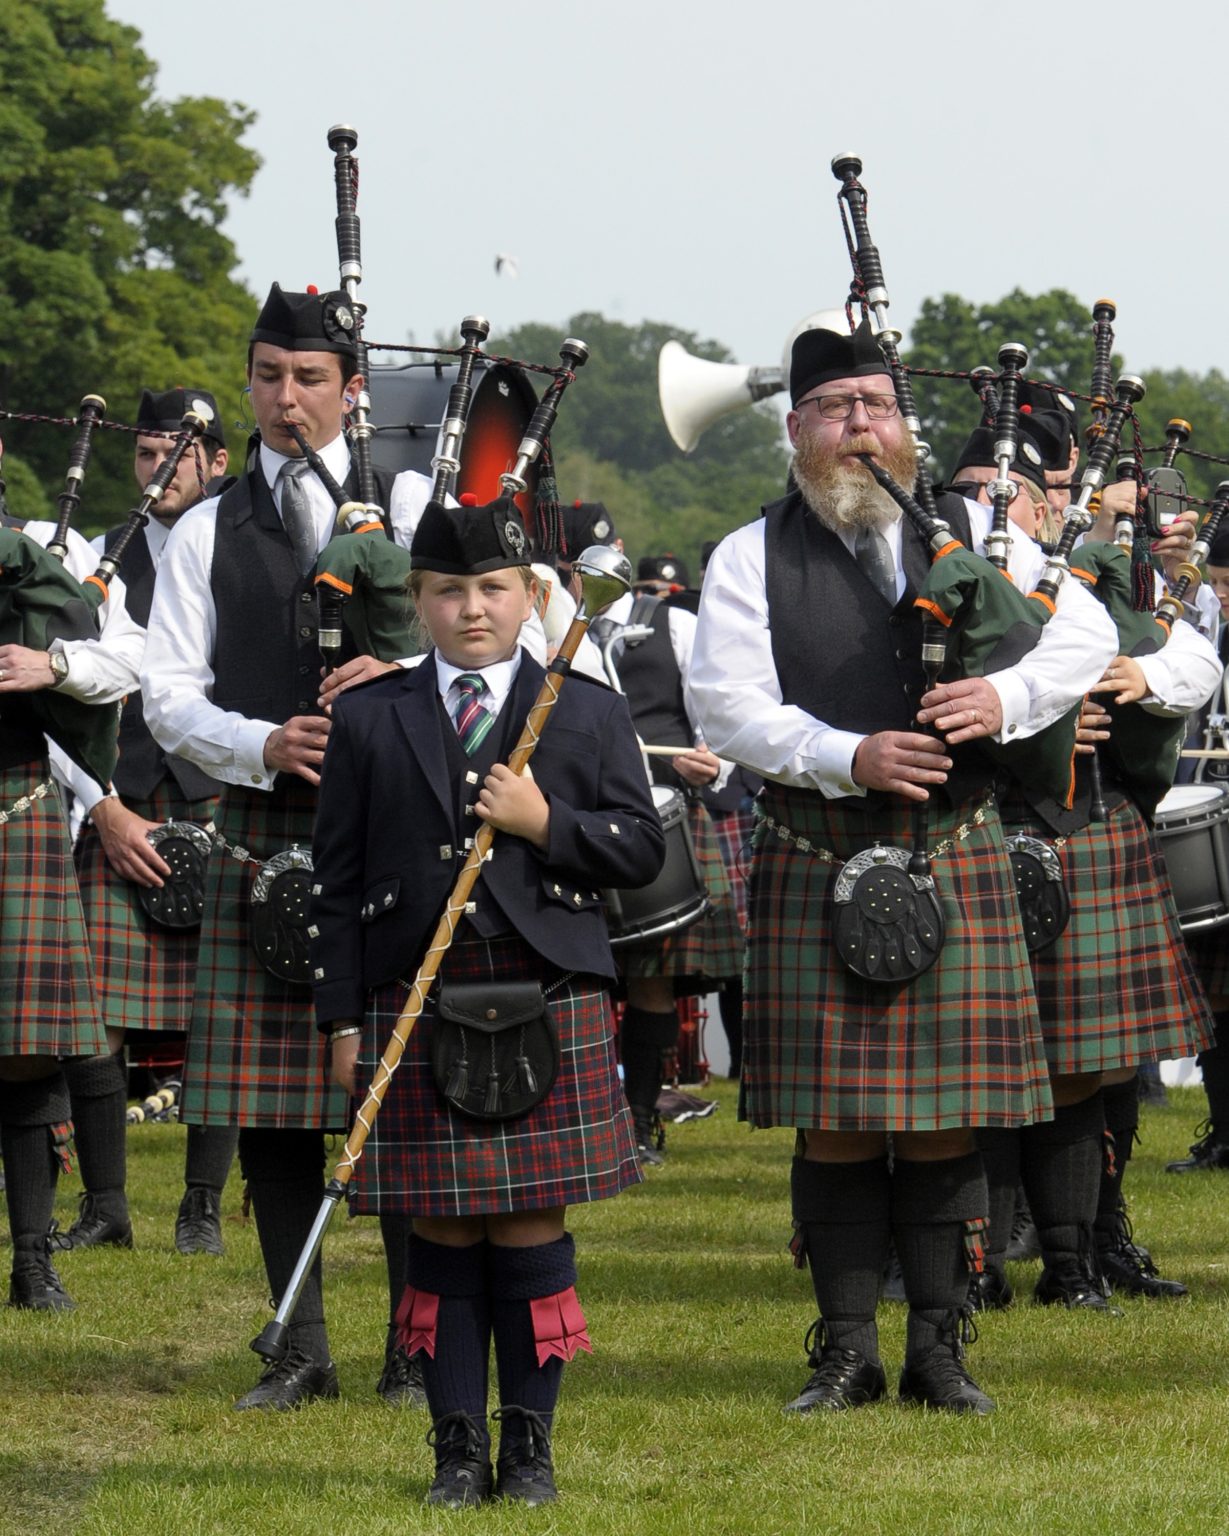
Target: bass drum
x=676 y=899
x=408 y=403
x=1192 y=828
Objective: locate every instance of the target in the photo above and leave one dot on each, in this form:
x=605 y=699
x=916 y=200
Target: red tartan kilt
x=424 y=1159
x=145 y=974
x=48 y=1005
x=1117 y=987
x=255 y=1056
x=959 y=1046
x=704 y=953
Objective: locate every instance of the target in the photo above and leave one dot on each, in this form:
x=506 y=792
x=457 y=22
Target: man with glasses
x=807 y=671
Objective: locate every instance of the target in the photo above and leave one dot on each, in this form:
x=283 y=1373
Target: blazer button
x=305 y=597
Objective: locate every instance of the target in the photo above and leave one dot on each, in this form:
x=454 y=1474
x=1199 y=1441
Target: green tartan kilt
x=704 y=953
x=959 y=1046
x=1117 y=987
x=1209 y=954
x=48 y=1005
x=145 y=973
x=255 y=1057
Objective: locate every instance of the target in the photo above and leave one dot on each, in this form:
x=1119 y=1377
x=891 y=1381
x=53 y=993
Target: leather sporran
x=1045 y=905
x=278 y=913
x=179 y=902
x=888 y=925
x=494 y=1050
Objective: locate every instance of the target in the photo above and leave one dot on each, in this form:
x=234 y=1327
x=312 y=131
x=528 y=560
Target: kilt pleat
x=734 y=831
x=958 y=1046
x=145 y=974
x=424 y=1159
x=705 y=952
x=255 y=1057
x=1117 y=987
x=48 y=1003
x=1209 y=954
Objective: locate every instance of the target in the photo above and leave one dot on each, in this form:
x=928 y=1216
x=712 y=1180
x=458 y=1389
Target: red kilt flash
x=424 y=1159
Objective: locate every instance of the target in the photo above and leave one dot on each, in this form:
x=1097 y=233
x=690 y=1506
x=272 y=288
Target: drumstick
x=666 y=751
x=1219 y=754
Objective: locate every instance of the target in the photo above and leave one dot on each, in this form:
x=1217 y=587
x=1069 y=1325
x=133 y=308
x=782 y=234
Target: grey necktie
x=297 y=517
x=873 y=555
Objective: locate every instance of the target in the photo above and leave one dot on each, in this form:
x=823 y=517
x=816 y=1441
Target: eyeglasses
x=840 y=407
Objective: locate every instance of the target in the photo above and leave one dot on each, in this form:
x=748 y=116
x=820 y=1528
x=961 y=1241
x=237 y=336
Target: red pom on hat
x=311 y=288
x=468 y=499
x=1026 y=410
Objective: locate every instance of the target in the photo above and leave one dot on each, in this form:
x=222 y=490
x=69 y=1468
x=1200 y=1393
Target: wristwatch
x=58 y=663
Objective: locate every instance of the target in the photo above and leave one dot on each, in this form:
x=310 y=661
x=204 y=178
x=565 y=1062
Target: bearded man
x=807 y=670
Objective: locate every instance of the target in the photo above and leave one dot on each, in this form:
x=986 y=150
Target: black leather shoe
x=198 y=1226
x=102 y=1220
x=1129 y=1272
x=844 y=1379
x=1024 y=1243
x=524 y=1472
x=938 y=1379
x=990 y=1291
x=400 y=1383
x=650 y=1140
x=1205 y=1156
x=290 y=1383
x=1071 y=1288
x=35 y=1286
x=462 y=1462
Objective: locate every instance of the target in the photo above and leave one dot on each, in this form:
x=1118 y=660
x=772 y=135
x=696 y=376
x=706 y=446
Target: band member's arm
x=1183 y=675
x=176 y=674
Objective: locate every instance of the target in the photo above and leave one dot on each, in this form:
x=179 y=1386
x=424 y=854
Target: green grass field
x=117 y=1417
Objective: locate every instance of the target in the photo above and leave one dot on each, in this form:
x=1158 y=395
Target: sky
x=670 y=161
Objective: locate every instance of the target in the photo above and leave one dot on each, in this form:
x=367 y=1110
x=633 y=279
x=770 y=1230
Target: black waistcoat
x=143 y=765
x=842 y=652
x=266 y=660
x=649 y=673
x=466 y=775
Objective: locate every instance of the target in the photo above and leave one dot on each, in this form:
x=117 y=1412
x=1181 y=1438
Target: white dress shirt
x=177 y=673
x=736 y=698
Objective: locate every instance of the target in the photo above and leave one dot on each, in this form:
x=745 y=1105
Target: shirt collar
x=336 y=456
x=499 y=677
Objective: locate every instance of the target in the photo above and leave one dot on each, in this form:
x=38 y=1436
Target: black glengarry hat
x=662 y=568
x=586 y=523
x=979 y=451
x=306 y=322
x=469 y=540
x=820 y=355
x=164 y=412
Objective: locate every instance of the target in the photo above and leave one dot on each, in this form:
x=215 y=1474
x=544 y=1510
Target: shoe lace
x=945 y=1363
x=532 y=1444
x=197 y=1211
x=457 y=1436
x=1205 y=1137
x=39 y=1260
x=815 y=1343
x=1125 y=1249
x=291 y=1363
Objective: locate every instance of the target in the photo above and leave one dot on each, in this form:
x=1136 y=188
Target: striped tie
x=473 y=720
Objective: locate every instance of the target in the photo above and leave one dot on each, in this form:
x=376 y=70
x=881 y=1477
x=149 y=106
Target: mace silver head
x=605 y=575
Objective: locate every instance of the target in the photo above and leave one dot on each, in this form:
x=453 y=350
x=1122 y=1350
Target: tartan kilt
x=576 y=1145
x=1117 y=988
x=48 y=1005
x=823 y=1049
x=705 y=952
x=145 y=974
x=1209 y=954
x=255 y=1057
x=734 y=831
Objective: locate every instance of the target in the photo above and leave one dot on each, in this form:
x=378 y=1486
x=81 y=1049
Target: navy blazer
x=387 y=850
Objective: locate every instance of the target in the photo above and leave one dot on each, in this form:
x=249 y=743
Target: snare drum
x=676 y=899
x=1192 y=828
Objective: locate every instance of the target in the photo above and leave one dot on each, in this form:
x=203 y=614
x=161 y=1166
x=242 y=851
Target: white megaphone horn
x=694 y=392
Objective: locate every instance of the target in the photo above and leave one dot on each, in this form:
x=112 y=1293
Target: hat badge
x=514 y=536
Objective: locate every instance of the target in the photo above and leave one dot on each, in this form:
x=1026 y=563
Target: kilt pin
x=959 y=1046
x=1117 y=987
x=254 y=1056
x=146 y=974
x=48 y=999
x=424 y=1159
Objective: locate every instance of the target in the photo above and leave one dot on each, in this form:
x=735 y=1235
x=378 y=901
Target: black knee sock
x=455 y=1376
x=844 y=1210
x=1060 y=1164
x=285 y=1178
x=730 y=1006
x=395 y=1234
x=211 y=1151
x=1121 y=1106
x=1000 y=1154
x=644 y=1038
x=939 y=1227
x=31 y=1164
x=516 y=1277
x=1214 y=1068
x=98 y=1087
